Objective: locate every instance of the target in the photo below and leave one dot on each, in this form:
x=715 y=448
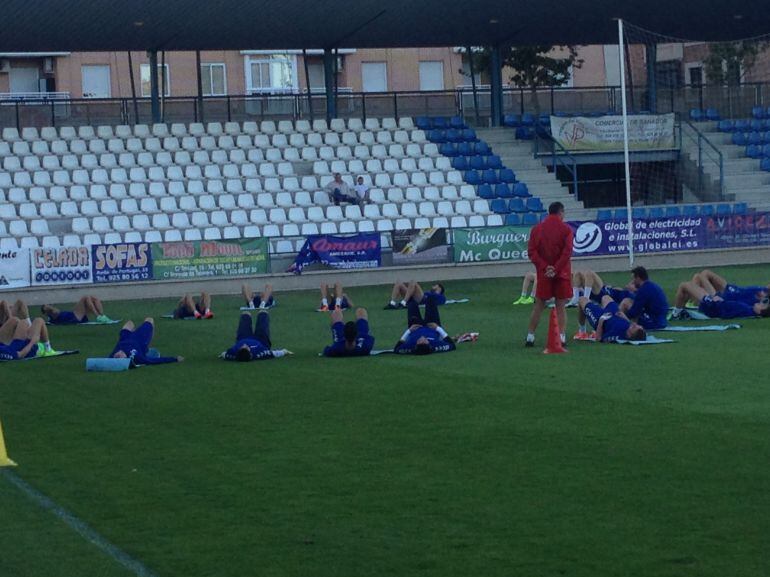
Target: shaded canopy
x=90 y=25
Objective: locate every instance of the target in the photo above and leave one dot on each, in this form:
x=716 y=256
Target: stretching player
x=341 y=300
x=187 y=307
x=715 y=284
x=403 y=292
x=608 y=321
x=350 y=339
x=19 y=340
x=594 y=288
x=134 y=344
x=649 y=305
x=87 y=305
x=253 y=344
x=424 y=335
x=18 y=310
x=713 y=305
x=256 y=300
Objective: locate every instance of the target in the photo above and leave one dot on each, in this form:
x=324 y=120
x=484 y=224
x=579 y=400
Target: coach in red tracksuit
x=550 y=250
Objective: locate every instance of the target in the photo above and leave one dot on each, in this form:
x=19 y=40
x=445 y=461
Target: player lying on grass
x=187 y=307
x=349 y=339
x=257 y=300
x=19 y=340
x=712 y=305
x=594 y=288
x=134 y=344
x=18 y=310
x=649 y=305
x=87 y=308
x=253 y=344
x=608 y=322
x=424 y=335
x=715 y=284
x=402 y=292
x=341 y=299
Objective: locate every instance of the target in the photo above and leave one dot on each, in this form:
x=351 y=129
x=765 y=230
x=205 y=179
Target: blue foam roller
x=108 y=365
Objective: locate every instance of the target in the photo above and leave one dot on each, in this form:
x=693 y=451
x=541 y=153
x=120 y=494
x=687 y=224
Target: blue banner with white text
x=340 y=252
x=124 y=262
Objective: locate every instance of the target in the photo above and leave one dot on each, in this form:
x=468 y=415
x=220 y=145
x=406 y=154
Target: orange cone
x=554 y=345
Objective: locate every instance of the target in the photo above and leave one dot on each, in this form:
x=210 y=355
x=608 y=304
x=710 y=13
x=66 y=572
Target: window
x=432 y=75
x=695 y=76
x=144 y=70
x=213 y=79
x=374 y=76
x=273 y=73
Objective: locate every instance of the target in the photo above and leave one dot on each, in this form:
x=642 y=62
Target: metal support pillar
x=329 y=82
x=496 y=86
x=652 y=83
x=154 y=98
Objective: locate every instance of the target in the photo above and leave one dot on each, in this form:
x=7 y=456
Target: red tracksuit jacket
x=550 y=243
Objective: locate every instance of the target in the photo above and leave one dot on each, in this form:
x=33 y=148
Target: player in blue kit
x=22 y=340
x=649 y=305
x=257 y=300
x=608 y=321
x=594 y=289
x=253 y=344
x=714 y=306
x=402 y=293
x=424 y=335
x=712 y=283
x=87 y=306
x=187 y=307
x=350 y=339
x=134 y=344
x=341 y=299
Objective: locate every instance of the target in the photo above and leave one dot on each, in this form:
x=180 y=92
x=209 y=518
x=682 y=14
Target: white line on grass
x=80 y=527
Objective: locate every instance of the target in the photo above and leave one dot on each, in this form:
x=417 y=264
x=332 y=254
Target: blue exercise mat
x=701 y=328
x=51 y=356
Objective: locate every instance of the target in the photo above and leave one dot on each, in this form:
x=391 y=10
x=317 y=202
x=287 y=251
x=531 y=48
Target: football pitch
x=494 y=460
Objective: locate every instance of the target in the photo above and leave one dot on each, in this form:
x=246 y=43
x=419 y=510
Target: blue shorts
x=67 y=318
x=257 y=301
x=17 y=344
x=439 y=298
x=338 y=330
x=183 y=312
x=615 y=294
x=595 y=311
x=650 y=323
x=710 y=307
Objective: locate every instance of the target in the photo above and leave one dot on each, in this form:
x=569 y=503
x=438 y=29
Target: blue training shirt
x=440 y=298
x=719 y=309
x=67 y=318
x=135 y=347
x=437 y=344
x=651 y=301
x=258 y=350
x=363 y=344
x=747 y=294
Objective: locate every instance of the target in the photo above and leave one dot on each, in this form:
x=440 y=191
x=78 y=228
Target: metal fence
x=735 y=101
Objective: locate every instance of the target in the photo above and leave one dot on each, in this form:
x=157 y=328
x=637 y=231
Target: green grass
x=492 y=460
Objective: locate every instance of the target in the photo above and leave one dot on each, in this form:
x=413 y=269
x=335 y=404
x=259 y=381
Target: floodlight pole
x=154 y=101
x=201 y=116
x=626 y=156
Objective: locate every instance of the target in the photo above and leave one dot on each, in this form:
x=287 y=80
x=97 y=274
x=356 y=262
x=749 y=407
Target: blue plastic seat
x=478 y=162
x=448 y=149
x=423 y=123
x=472 y=177
x=621 y=214
x=482 y=148
x=707 y=210
x=726 y=126
x=502 y=190
x=755 y=138
x=530 y=219
x=440 y=122
x=742 y=125
x=507 y=175
x=437 y=136
x=512 y=219
x=696 y=115
x=534 y=204
x=517 y=205
x=690 y=210
x=724 y=210
x=520 y=189
x=512 y=120
x=490 y=176
x=740 y=139
x=712 y=114
x=757 y=125
x=499 y=206
x=673 y=211
x=525 y=133
x=469 y=135
x=454 y=135
x=639 y=212
x=758 y=112
x=740 y=208
x=754 y=151
x=657 y=212
x=457 y=122
x=765 y=164
x=459 y=163
x=528 y=119
x=493 y=161
x=544 y=120
x=604 y=214
x=485 y=191
x=465 y=149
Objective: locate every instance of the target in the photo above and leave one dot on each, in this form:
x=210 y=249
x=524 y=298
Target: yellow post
x=4 y=460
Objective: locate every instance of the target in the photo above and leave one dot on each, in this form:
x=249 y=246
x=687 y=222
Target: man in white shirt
x=339 y=191
x=362 y=191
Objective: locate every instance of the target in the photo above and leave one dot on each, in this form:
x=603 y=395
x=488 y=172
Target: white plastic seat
x=192 y=234
x=409 y=209
x=476 y=220
x=390 y=210
x=239 y=217
x=51 y=242
x=250 y=127
x=271 y=230
x=278 y=216
x=153 y=236
x=172 y=236
x=458 y=221
x=80 y=225
x=309 y=228
x=180 y=220
x=384 y=225
x=140 y=222
x=258 y=216
x=231 y=232
x=219 y=218
x=290 y=229
x=160 y=221
x=402 y=224
x=199 y=219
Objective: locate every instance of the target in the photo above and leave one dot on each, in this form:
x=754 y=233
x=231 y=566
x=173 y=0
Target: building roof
x=89 y=25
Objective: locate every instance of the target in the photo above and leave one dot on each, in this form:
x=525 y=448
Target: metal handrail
x=702 y=140
x=558 y=157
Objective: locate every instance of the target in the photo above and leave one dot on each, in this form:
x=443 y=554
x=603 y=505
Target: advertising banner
x=14 y=268
x=419 y=245
x=501 y=243
x=340 y=252
x=124 y=262
x=210 y=258
x=605 y=133
x=61 y=266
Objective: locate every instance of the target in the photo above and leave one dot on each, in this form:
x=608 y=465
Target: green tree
x=728 y=62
